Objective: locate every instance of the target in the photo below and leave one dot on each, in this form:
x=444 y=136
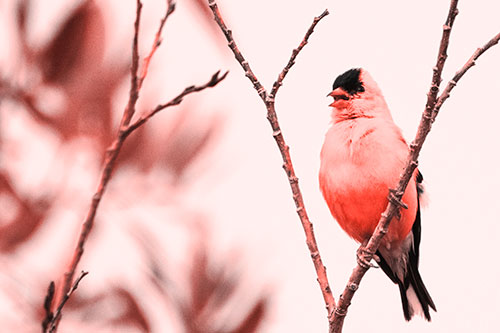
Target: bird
x=362 y=157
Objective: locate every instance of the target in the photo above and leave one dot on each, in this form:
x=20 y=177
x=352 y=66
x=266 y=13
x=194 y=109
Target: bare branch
x=393 y=208
x=134 y=84
x=175 y=101
x=458 y=75
x=442 y=56
x=295 y=52
x=428 y=116
x=237 y=54
x=156 y=43
x=111 y=155
x=124 y=131
x=268 y=100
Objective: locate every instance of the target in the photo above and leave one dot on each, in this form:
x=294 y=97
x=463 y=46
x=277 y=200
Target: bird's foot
x=362 y=255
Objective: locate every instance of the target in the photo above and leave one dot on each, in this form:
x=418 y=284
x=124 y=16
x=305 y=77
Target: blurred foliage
x=72 y=64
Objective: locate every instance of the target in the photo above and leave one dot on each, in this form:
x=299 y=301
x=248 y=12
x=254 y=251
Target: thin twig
x=134 y=81
x=214 y=80
x=442 y=56
x=112 y=152
x=268 y=99
x=428 y=116
x=237 y=54
x=458 y=75
x=295 y=52
x=109 y=162
x=57 y=314
x=156 y=43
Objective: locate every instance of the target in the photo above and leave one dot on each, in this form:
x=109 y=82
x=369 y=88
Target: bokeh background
x=197 y=231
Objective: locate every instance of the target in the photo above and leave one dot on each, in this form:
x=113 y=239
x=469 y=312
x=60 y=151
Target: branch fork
x=337 y=312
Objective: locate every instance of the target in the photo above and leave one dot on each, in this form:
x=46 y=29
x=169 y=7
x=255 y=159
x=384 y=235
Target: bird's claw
x=361 y=255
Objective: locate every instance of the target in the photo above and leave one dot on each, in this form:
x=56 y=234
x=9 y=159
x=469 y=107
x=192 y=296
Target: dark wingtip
x=414 y=279
x=404 y=301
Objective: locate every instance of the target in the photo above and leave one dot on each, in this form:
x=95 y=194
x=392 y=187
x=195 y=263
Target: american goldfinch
x=362 y=158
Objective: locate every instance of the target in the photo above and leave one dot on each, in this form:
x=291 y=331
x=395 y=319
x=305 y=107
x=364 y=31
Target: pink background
x=238 y=185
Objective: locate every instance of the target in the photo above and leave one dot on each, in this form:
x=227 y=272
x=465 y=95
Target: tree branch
x=442 y=56
x=156 y=44
x=393 y=208
x=25 y=98
x=458 y=75
x=268 y=100
x=124 y=131
x=237 y=54
x=134 y=84
x=214 y=80
x=431 y=109
x=295 y=52
x=111 y=156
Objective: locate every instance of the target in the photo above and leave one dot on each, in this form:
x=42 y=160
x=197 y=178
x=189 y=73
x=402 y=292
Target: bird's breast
x=360 y=161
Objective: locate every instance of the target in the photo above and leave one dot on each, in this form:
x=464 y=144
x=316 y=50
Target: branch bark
x=268 y=99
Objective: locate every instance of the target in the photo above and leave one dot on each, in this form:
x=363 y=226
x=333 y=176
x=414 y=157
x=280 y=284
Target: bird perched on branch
x=362 y=158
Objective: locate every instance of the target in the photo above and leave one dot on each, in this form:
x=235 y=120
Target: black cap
x=349 y=81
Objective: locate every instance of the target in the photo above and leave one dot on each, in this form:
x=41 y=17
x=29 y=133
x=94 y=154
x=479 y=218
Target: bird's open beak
x=339 y=95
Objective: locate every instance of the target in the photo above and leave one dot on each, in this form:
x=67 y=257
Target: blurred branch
x=134 y=85
x=431 y=110
x=442 y=56
x=28 y=216
x=22 y=16
x=268 y=100
x=212 y=286
x=214 y=80
x=295 y=52
x=54 y=317
x=26 y=99
x=112 y=152
x=157 y=42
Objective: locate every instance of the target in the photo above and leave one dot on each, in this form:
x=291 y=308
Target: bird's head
x=356 y=94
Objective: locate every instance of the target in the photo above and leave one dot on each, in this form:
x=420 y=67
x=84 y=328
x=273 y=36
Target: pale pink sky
x=245 y=193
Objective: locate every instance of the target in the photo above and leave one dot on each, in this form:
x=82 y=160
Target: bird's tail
x=414 y=296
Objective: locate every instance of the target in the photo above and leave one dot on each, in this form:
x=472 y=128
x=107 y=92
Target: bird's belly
x=355 y=202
